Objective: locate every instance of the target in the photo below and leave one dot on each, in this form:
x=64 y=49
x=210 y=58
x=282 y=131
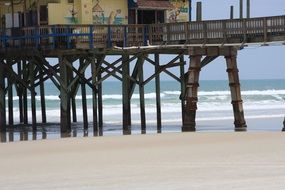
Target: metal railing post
x=109 y=42
x=145 y=32
x=125 y=44
x=91 y=41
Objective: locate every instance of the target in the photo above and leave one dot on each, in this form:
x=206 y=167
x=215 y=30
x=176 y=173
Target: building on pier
x=50 y=12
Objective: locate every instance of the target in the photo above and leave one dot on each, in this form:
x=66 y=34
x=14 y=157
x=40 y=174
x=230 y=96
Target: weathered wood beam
x=189 y=122
x=183 y=89
x=2 y=98
x=168 y=65
x=125 y=93
x=83 y=98
x=207 y=60
x=284 y=125
x=142 y=99
x=80 y=75
x=94 y=95
x=73 y=93
x=33 y=94
x=25 y=94
x=157 y=92
x=110 y=73
x=50 y=71
x=135 y=75
x=65 y=122
x=234 y=83
x=100 y=101
x=20 y=92
x=18 y=79
x=81 y=70
x=43 y=100
x=10 y=99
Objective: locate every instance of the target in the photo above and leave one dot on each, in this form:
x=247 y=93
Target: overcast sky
x=255 y=62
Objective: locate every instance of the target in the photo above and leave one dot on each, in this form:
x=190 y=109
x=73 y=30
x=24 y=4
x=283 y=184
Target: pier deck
x=27 y=49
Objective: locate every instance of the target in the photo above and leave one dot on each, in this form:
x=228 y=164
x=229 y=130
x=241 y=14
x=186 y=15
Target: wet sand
x=168 y=161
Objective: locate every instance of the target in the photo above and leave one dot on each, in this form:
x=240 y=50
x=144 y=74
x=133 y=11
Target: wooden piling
x=10 y=101
x=44 y=135
x=43 y=101
x=65 y=122
x=84 y=103
x=189 y=123
x=142 y=98
x=94 y=95
x=100 y=101
x=2 y=98
x=234 y=84
x=34 y=135
x=157 y=92
x=33 y=94
x=11 y=135
x=20 y=92
x=3 y=137
x=125 y=93
x=73 y=108
x=73 y=100
x=284 y=125
x=25 y=94
x=182 y=85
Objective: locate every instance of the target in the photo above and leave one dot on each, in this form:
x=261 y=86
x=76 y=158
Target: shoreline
x=52 y=131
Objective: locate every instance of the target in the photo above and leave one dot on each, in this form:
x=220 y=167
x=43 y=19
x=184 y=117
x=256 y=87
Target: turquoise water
x=264 y=101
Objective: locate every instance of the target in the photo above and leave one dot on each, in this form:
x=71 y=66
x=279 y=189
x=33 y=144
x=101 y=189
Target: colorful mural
x=180 y=13
x=72 y=17
x=104 y=14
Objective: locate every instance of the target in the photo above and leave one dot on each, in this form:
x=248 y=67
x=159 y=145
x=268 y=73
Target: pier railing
x=254 y=30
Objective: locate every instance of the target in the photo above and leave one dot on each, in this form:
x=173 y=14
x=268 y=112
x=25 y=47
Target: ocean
x=263 y=99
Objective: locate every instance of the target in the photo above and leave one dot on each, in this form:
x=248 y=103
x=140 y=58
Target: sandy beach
x=168 y=161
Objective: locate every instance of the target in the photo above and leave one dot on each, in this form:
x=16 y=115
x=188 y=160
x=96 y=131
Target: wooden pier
x=24 y=65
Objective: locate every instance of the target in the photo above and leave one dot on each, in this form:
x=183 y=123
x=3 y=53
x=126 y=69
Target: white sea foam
x=222 y=95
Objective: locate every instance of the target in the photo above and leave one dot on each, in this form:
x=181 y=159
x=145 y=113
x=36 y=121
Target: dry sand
x=215 y=161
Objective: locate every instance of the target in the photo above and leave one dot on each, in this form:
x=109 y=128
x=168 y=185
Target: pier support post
x=10 y=101
x=2 y=99
x=234 y=83
x=100 y=102
x=65 y=122
x=157 y=90
x=142 y=98
x=73 y=100
x=126 y=98
x=189 y=122
x=20 y=92
x=284 y=125
x=94 y=95
x=25 y=94
x=43 y=101
x=182 y=83
x=84 y=103
x=33 y=94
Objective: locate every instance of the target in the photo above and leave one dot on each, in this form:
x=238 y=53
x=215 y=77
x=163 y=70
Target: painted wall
x=180 y=13
x=60 y=13
x=89 y=12
x=110 y=12
x=84 y=11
